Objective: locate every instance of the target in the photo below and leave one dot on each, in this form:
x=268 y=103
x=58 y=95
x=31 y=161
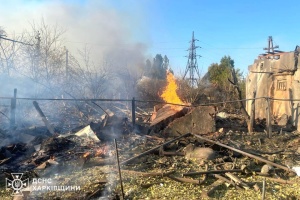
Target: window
x=281 y=85
x=261 y=66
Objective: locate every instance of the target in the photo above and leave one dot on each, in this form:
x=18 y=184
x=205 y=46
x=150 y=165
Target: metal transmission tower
x=192 y=65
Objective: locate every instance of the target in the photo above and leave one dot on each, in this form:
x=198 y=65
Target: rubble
x=198 y=120
x=181 y=156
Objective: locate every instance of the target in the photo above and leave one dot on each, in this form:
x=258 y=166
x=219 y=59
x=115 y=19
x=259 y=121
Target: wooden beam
x=48 y=125
x=153 y=149
x=245 y=153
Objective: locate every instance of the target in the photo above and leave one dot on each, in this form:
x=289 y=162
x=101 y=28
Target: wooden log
x=185 y=180
x=144 y=112
x=245 y=153
x=4 y=160
x=227 y=180
x=45 y=120
x=278 y=180
x=166 y=114
x=237 y=180
x=212 y=172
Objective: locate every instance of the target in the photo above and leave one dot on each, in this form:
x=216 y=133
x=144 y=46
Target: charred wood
x=45 y=120
x=245 y=153
x=153 y=149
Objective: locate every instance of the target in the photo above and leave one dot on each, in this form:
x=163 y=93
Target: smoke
x=107 y=29
x=113 y=33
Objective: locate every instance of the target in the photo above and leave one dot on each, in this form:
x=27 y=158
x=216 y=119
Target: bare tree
x=44 y=61
x=8 y=52
x=85 y=78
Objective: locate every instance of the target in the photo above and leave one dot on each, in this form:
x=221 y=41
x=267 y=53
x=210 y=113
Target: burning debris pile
x=181 y=152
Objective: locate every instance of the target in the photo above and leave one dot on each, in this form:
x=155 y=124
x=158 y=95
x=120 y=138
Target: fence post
x=269 y=124
x=133 y=112
x=13 y=105
x=252 y=113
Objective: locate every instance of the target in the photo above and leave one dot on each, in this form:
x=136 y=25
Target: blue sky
x=239 y=29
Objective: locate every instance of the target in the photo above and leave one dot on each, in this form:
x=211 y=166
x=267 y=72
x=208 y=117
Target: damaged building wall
x=296 y=104
x=276 y=76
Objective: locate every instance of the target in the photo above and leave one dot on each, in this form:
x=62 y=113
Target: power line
x=4 y=38
x=155 y=47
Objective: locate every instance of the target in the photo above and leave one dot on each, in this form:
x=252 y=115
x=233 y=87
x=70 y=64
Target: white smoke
x=104 y=28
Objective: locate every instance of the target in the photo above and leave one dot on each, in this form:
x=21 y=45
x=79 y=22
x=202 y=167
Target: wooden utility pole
x=67 y=64
x=13 y=107
x=133 y=111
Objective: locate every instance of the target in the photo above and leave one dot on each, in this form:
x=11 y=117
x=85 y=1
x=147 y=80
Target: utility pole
x=36 y=62
x=271 y=48
x=37 y=55
x=67 y=64
x=192 y=65
x=38 y=44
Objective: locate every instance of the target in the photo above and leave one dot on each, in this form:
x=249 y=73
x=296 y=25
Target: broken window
x=281 y=85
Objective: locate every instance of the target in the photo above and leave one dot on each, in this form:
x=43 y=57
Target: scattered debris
x=181 y=156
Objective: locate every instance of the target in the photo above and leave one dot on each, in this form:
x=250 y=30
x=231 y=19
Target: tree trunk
x=241 y=105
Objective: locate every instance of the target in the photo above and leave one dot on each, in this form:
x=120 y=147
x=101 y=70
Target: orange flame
x=86 y=154
x=102 y=151
x=169 y=94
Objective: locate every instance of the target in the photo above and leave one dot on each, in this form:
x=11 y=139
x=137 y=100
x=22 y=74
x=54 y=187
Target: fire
x=169 y=94
x=85 y=155
x=102 y=151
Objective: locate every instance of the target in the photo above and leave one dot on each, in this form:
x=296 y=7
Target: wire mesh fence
x=68 y=113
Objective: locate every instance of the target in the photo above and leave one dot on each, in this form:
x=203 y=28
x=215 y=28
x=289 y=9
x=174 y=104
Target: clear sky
x=239 y=29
